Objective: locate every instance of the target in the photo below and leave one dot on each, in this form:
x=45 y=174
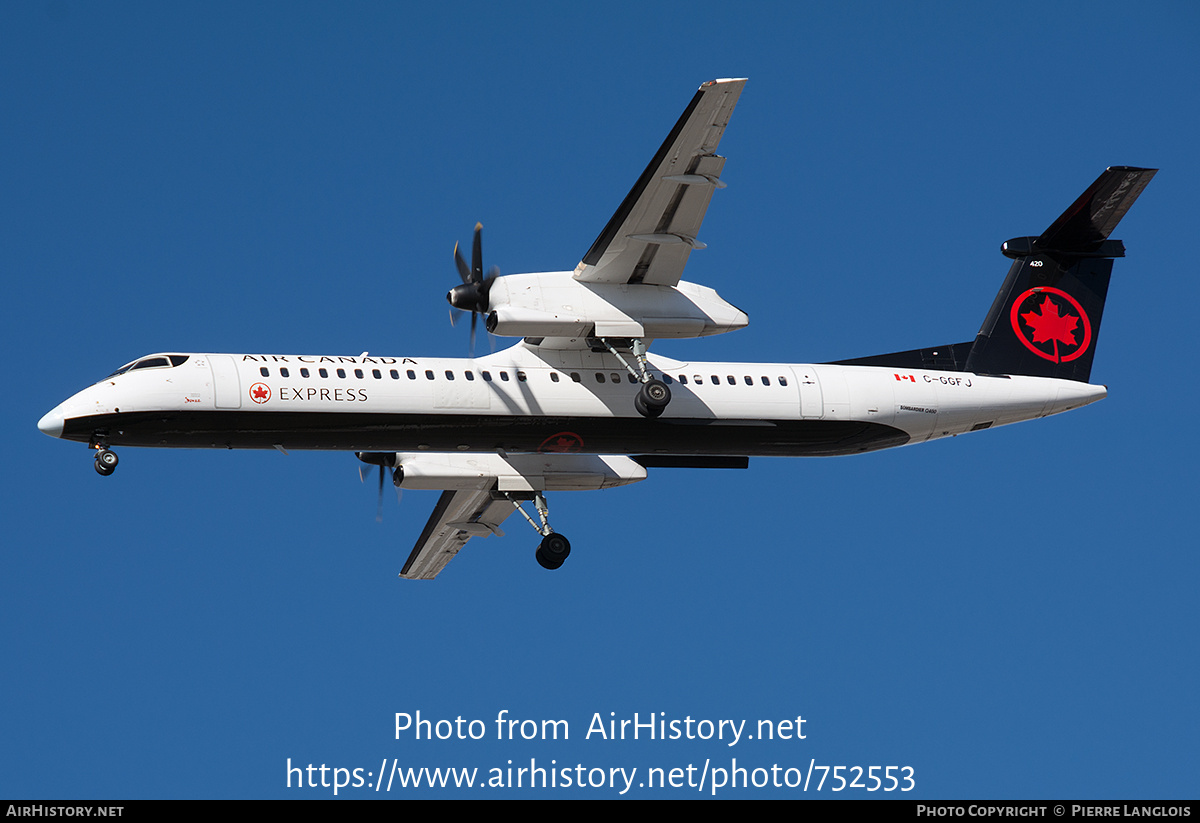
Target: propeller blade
x=461 y=264
x=473 y=294
x=379 y=508
x=477 y=255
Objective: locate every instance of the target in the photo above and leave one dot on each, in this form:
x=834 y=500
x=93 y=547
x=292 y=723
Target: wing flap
x=457 y=517
x=650 y=236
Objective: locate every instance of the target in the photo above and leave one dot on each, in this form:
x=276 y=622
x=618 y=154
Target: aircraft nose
x=52 y=423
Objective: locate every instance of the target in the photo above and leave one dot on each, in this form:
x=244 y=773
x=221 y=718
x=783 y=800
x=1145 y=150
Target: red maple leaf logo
x=561 y=443
x=1050 y=326
x=1051 y=321
x=260 y=391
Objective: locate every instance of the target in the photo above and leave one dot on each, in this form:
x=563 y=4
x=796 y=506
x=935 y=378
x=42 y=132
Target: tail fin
x=1046 y=319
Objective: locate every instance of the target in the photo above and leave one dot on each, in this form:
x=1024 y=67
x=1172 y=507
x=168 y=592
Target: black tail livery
x=1046 y=318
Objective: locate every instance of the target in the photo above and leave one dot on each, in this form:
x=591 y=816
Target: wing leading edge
x=649 y=238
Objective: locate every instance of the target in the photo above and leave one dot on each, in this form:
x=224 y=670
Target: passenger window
x=323 y=372
x=616 y=378
x=341 y=373
x=749 y=380
x=697 y=379
x=667 y=378
x=766 y=381
x=783 y=381
x=264 y=371
x=304 y=372
x=470 y=375
x=599 y=377
x=521 y=375
x=449 y=374
x=575 y=376
x=683 y=379
x=395 y=374
x=283 y=372
x=504 y=376
x=487 y=376
x=553 y=377
x=358 y=373
x=412 y=375
x=716 y=381
x=730 y=380
x=632 y=379
x=429 y=374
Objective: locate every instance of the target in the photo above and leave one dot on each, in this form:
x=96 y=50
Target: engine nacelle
x=555 y=304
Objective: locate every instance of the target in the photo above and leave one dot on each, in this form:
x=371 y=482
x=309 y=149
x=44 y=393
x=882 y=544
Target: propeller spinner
x=472 y=295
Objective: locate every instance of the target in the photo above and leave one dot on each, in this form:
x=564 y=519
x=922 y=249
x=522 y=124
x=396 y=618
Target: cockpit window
x=151 y=363
x=157 y=361
x=121 y=370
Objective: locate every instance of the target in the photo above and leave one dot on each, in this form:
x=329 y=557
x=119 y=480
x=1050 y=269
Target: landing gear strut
x=106 y=461
x=554 y=548
x=654 y=395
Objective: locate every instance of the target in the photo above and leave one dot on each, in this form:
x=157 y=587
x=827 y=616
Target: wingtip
x=723 y=80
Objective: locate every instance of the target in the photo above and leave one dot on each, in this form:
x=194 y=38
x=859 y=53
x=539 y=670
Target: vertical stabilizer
x=1045 y=321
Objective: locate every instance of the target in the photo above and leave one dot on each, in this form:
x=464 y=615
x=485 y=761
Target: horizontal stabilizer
x=1091 y=218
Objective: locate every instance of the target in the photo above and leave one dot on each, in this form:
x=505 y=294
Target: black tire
x=553 y=550
x=645 y=410
x=102 y=470
x=107 y=459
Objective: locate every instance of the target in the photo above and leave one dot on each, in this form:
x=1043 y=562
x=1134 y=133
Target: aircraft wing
x=650 y=237
x=458 y=516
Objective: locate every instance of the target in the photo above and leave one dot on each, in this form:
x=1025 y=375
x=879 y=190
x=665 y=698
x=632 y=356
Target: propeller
x=472 y=295
x=383 y=461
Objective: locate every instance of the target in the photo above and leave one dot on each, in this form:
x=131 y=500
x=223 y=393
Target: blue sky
x=1011 y=614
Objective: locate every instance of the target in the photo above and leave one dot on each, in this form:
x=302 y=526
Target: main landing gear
x=653 y=397
x=554 y=548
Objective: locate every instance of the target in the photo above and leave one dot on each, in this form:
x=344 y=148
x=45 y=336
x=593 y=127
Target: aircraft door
x=811 y=402
x=227 y=388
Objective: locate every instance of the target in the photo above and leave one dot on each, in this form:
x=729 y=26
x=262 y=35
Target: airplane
x=580 y=403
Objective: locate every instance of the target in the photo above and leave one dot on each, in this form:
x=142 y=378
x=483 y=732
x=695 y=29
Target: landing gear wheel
x=106 y=462
x=652 y=399
x=553 y=551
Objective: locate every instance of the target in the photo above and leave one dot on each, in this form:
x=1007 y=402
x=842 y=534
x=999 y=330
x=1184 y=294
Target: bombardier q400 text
x=580 y=403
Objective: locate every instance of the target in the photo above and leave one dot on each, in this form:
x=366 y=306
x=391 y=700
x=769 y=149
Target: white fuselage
x=526 y=399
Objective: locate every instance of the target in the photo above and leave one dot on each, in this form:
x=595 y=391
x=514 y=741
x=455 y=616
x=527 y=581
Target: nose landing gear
x=106 y=462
